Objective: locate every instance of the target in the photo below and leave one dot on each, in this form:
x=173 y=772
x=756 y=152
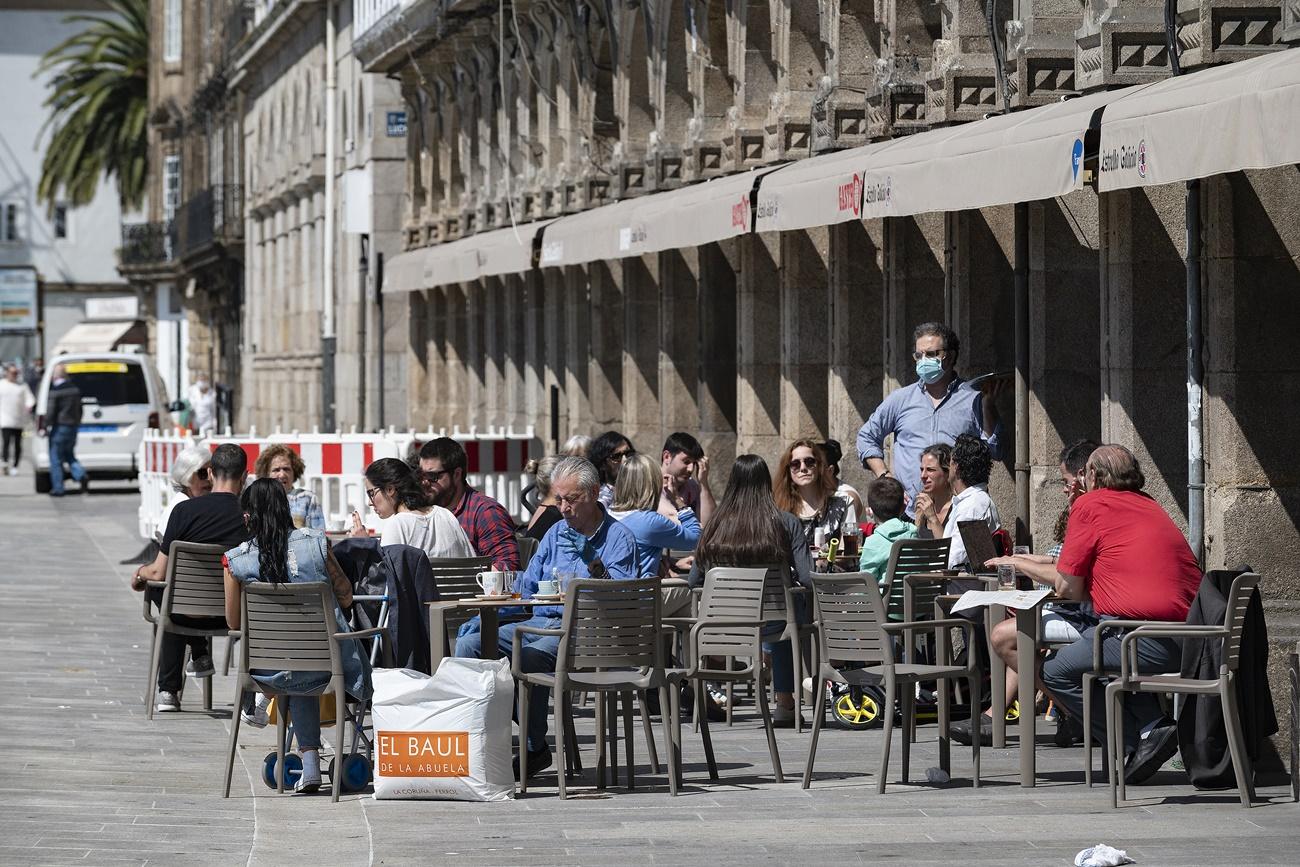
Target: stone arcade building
x=560 y=106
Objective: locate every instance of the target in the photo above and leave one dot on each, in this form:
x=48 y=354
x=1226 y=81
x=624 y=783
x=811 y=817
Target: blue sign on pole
x=397 y=124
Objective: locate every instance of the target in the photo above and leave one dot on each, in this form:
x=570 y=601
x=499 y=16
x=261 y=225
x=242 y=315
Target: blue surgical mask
x=930 y=370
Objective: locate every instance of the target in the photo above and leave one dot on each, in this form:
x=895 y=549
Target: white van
x=121 y=395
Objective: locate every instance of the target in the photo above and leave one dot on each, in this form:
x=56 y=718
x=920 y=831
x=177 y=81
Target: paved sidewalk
x=89 y=780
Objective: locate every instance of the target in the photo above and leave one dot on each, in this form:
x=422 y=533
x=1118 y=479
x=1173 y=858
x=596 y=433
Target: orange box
x=423 y=754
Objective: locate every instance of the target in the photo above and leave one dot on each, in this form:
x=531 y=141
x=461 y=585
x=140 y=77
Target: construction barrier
x=335 y=466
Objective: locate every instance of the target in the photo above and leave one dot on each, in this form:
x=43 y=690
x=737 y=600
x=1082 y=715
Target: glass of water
x=1007 y=576
x=1020 y=549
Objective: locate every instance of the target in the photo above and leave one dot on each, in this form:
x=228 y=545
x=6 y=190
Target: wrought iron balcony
x=215 y=215
x=146 y=244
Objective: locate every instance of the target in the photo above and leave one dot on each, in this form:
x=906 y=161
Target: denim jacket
x=308 y=550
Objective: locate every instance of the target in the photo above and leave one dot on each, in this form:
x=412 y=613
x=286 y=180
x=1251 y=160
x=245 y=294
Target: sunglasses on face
x=618 y=456
x=434 y=475
x=803 y=463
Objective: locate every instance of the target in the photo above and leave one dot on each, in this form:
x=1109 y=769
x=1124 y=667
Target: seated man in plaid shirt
x=491 y=531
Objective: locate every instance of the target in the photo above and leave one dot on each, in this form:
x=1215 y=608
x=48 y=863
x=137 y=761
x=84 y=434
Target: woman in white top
x=410 y=518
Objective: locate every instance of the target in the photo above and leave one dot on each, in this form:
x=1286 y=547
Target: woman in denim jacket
x=277 y=553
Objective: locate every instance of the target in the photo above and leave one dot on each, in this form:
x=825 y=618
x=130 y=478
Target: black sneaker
x=538 y=761
x=1154 y=749
x=85 y=484
x=960 y=731
x=1068 y=730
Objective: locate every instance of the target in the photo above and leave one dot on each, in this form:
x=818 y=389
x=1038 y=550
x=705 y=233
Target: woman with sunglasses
x=606 y=454
x=804 y=488
x=409 y=516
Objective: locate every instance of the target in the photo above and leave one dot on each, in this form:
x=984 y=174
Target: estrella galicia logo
x=1076 y=158
x=1142 y=158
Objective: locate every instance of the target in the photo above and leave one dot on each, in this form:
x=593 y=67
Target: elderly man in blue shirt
x=587 y=533
x=938 y=408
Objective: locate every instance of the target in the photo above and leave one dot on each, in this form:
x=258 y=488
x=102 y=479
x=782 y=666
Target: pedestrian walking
x=63 y=421
x=203 y=404
x=16 y=404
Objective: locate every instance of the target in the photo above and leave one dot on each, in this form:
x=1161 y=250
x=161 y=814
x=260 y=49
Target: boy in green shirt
x=886 y=501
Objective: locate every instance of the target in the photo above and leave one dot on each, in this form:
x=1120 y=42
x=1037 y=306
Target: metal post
x=328 y=340
x=1195 y=377
x=379 y=341
x=363 y=308
x=1021 y=270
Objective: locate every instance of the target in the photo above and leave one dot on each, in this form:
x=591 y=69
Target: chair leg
x=234 y=738
x=796 y=646
x=974 y=719
x=945 y=747
x=819 y=712
x=708 y=744
x=336 y=779
x=628 y=744
x=207 y=692
x=1088 y=680
x=908 y=705
x=574 y=760
x=731 y=691
x=611 y=720
x=649 y=732
x=891 y=687
x=559 y=703
x=601 y=763
x=281 y=734
x=1241 y=764
x=230 y=651
x=154 y=661
x=524 y=697
x=767 y=726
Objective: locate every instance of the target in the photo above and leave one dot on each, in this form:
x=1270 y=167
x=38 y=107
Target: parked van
x=121 y=395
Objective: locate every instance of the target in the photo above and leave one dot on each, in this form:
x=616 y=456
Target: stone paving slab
x=89 y=780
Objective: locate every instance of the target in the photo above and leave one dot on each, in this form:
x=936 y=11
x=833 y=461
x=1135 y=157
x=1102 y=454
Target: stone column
x=536 y=400
x=753 y=68
x=1143 y=362
x=719 y=266
x=512 y=315
x=475 y=358
x=494 y=327
x=680 y=340
x=914 y=287
x=856 y=332
x=419 y=355
x=455 y=388
x=577 y=353
x=805 y=334
x=1064 y=346
x=605 y=369
x=555 y=325
x=758 y=321
x=641 y=407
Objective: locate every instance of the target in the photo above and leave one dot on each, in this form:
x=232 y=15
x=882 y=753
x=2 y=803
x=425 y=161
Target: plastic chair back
x=1234 y=618
x=195 y=580
x=611 y=625
x=907 y=557
x=732 y=593
x=850 y=613
x=287 y=627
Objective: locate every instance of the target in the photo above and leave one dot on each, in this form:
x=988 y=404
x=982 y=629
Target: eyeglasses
x=929 y=353
x=434 y=475
x=618 y=456
x=370 y=494
x=803 y=463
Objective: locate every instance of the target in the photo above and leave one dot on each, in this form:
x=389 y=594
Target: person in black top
x=214 y=518
x=61 y=421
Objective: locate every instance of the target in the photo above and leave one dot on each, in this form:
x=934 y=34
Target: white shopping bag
x=445 y=737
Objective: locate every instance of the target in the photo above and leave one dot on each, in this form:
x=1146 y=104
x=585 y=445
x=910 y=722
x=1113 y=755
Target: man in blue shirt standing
x=938 y=408
x=587 y=533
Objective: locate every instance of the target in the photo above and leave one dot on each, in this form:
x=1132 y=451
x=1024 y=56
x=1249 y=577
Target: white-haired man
x=587 y=533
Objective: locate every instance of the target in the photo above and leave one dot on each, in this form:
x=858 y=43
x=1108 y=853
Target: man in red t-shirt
x=1125 y=556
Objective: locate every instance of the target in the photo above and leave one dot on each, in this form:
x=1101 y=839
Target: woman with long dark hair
x=409 y=516
x=606 y=453
x=747 y=529
x=278 y=553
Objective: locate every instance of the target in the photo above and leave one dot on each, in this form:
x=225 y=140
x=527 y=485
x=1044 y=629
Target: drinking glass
x=1020 y=549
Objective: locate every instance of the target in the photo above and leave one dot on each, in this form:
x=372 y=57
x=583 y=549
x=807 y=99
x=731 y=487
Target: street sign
x=397 y=124
x=18 y=303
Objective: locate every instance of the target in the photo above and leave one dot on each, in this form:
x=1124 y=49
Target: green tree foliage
x=99 y=101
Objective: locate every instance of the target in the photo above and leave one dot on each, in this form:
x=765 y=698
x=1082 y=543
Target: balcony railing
x=148 y=243
x=214 y=215
x=366 y=13
x=239 y=20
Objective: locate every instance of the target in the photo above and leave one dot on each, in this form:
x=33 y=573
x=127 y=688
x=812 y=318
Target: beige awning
x=97 y=337
x=404 y=272
x=452 y=262
x=1020 y=157
x=815 y=191
x=1243 y=115
x=508 y=250
x=687 y=217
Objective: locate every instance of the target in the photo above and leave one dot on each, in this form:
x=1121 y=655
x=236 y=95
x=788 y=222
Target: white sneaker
x=309 y=779
x=782 y=717
x=258 y=718
x=808 y=688
x=167 y=702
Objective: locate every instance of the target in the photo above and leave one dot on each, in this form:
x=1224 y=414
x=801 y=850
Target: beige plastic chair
x=609 y=645
x=907 y=557
x=1223 y=686
x=456 y=578
x=853 y=628
x=194 y=588
x=727 y=624
x=779 y=594
x=290 y=627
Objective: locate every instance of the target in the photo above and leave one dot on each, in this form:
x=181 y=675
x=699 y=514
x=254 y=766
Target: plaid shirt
x=304 y=506
x=490 y=529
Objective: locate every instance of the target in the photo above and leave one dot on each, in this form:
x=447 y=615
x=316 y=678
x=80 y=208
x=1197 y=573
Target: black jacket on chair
x=403 y=573
x=1202 y=738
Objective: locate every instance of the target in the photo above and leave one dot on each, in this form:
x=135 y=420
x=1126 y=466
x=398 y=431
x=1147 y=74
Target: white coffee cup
x=547 y=587
x=493 y=583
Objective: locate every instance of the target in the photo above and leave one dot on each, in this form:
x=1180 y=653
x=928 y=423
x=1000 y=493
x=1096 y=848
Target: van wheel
x=42 y=483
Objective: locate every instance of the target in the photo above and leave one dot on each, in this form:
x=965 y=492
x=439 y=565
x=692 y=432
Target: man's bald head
x=1114 y=467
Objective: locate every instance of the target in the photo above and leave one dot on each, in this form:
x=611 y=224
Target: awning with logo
x=702 y=213
x=1243 y=115
x=815 y=191
x=100 y=336
x=1020 y=157
x=508 y=250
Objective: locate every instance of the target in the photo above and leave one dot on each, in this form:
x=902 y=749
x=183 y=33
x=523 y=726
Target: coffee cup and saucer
x=548 y=590
x=495 y=585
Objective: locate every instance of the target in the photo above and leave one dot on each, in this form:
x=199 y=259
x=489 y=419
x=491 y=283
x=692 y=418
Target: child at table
x=886 y=501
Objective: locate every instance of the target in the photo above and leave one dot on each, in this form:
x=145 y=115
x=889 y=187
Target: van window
x=109 y=383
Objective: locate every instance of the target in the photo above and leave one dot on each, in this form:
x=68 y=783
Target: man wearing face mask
x=938 y=408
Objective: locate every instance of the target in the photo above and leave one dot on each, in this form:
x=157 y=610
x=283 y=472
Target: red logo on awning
x=740 y=213
x=851 y=195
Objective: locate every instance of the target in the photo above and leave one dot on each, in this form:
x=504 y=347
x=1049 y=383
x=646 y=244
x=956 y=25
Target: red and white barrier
x=335 y=466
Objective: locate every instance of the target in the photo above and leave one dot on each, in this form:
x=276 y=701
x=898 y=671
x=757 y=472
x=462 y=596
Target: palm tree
x=99 y=106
